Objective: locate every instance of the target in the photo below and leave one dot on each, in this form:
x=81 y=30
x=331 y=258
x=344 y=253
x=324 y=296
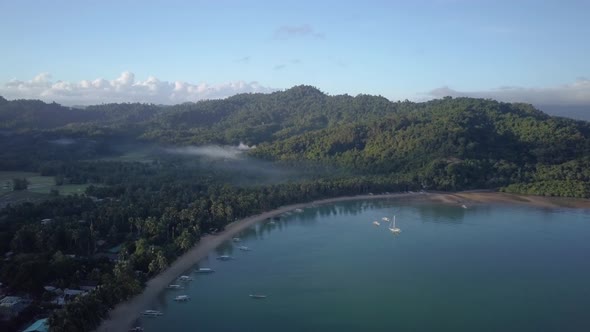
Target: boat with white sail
x=392 y=227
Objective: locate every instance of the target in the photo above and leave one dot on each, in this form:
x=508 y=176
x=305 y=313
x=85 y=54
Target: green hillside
x=447 y=144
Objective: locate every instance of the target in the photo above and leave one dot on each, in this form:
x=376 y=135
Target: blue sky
x=399 y=49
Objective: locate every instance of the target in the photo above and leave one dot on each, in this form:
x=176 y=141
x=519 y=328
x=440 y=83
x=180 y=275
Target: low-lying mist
x=212 y=151
x=234 y=160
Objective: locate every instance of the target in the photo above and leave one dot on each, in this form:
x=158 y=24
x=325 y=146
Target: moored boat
x=257 y=296
x=205 y=270
x=392 y=227
x=182 y=298
x=152 y=313
x=175 y=286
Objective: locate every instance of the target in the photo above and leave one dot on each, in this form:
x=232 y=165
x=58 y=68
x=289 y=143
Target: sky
x=165 y=52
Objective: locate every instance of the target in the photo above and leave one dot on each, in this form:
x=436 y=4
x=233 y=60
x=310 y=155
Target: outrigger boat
x=257 y=296
x=174 y=286
x=152 y=313
x=182 y=298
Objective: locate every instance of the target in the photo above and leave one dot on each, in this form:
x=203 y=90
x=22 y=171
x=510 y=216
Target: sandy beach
x=124 y=314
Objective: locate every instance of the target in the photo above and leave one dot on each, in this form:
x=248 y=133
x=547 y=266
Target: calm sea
x=328 y=268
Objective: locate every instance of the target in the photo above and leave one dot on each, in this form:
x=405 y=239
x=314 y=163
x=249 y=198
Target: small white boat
x=185 y=278
x=298 y=210
x=464 y=206
x=257 y=296
x=182 y=298
x=174 y=286
x=224 y=258
x=392 y=228
x=205 y=270
x=244 y=248
x=237 y=239
x=376 y=223
x=385 y=219
x=152 y=313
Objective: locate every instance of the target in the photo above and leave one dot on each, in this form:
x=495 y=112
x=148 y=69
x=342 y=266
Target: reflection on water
x=329 y=268
x=448 y=214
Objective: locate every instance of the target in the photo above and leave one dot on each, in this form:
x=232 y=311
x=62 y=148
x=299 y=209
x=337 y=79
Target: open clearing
x=39 y=188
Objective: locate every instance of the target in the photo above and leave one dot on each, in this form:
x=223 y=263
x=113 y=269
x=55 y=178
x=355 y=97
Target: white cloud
x=574 y=94
x=124 y=88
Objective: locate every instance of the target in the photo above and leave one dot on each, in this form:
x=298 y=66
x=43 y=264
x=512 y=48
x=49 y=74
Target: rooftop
x=10 y=300
x=39 y=326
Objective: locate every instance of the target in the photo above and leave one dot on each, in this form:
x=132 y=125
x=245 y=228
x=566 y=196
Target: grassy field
x=38 y=184
x=35 y=180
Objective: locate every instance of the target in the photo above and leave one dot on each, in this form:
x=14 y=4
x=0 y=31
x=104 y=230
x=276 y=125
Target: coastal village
x=30 y=312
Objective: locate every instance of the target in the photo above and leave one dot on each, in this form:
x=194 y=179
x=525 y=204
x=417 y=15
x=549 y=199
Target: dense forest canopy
x=449 y=143
x=157 y=177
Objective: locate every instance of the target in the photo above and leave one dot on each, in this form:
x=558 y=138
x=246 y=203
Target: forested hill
x=249 y=118
x=309 y=145
x=449 y=143
x=36 y=115
x=455 y=144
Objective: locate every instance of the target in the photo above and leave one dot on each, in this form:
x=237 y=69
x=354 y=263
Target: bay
x=328 y=268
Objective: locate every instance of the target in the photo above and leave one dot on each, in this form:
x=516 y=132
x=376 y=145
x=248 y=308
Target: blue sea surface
x=328 y=268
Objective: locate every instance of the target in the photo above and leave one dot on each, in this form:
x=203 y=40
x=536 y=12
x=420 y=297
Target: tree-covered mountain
x=453 y=144
x=309 y=146
x=37 y=115
x=449 y=143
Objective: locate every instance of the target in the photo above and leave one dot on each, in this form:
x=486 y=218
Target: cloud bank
x=573 y=94
x=125 y=88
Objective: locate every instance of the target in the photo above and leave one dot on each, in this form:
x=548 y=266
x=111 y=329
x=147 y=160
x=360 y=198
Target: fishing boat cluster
x=183 y=279
x=391 y=227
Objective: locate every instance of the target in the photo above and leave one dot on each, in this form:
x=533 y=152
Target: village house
x=11 y=306
x=42 y=325
x=46 y=221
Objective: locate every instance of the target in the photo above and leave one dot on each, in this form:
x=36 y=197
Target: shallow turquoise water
x=486 y=268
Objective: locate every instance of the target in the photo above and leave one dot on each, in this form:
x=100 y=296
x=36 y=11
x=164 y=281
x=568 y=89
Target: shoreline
x=124 y=314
